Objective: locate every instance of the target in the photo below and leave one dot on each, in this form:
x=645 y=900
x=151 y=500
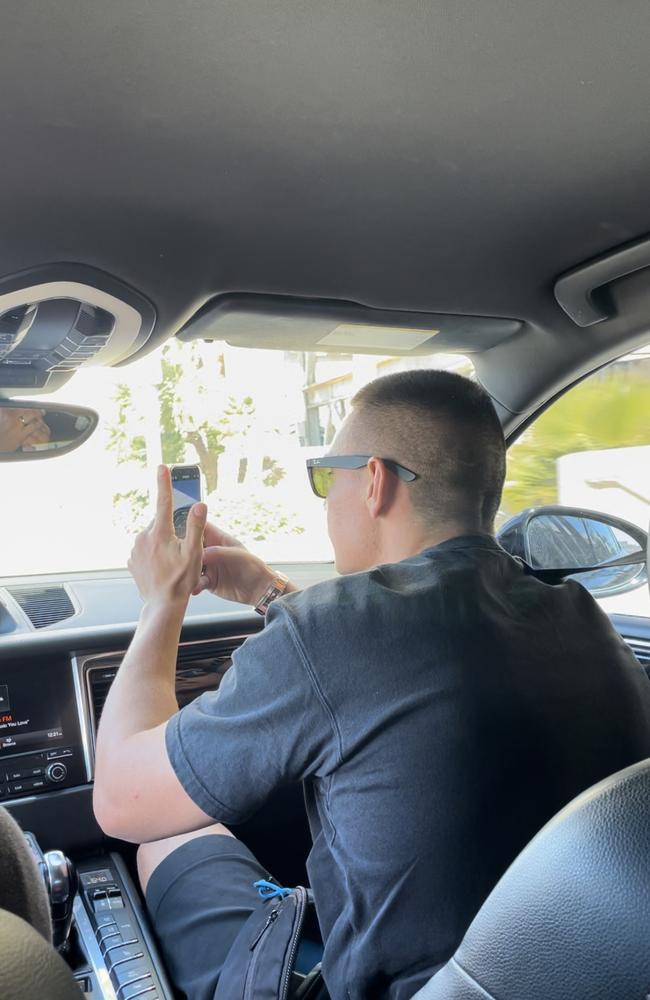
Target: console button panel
x=41 y=771
x=119 y=934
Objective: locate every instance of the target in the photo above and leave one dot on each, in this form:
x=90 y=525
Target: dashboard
x=52 y=692
x=50 y=710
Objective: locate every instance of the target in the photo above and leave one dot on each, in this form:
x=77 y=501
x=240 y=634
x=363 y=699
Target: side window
x=590 y=450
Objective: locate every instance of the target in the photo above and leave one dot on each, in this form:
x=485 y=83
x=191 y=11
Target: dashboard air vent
x=200 y=667
x=99 y=681
x=642 y=652
x=44 y=605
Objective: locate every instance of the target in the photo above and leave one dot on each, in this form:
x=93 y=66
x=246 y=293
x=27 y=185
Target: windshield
x=249 y=419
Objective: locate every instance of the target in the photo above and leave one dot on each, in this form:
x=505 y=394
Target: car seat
x=571 y=916
x=29 y=965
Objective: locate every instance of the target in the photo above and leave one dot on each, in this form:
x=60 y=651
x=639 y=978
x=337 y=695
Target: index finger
x=164 y=503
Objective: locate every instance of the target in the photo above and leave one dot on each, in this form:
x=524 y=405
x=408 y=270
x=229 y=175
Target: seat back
x=22 y=891
x=571 y=916
x=29 y=965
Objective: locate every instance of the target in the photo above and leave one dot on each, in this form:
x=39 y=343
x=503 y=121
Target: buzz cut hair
x=444 y=427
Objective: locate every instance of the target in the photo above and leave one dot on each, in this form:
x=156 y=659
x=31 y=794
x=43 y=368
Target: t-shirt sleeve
x=267 y=725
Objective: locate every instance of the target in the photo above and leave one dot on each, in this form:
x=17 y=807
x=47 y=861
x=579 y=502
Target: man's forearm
x=143 y=694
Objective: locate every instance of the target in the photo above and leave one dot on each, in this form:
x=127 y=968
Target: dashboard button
x=125 y=953
x=117 y=941
x=130 y=972
x=115 y=898
x=144 y=989
x=99 y=901
x=125 y=924
x=122 y=926
x=26 y=785
x=57 y=772
x=110 y=941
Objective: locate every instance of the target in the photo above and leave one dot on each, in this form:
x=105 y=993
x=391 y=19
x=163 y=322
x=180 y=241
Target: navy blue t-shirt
x=438 y=710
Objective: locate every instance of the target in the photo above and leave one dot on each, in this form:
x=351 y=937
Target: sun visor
x=295 y=324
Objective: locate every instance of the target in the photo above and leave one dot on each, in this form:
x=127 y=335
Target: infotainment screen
x=37 y=706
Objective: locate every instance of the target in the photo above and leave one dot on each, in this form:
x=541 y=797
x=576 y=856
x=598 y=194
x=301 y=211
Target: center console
x=100 y=928
x=113 y=929
x=50 y=709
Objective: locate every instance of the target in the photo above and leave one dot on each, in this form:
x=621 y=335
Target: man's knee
x=151 y=854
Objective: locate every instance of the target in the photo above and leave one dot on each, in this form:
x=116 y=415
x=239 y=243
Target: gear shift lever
x=61 y=881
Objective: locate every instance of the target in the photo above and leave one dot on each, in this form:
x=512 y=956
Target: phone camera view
x=186 y=490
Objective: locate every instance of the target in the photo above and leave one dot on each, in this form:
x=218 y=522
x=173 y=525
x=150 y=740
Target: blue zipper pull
x=269 y=890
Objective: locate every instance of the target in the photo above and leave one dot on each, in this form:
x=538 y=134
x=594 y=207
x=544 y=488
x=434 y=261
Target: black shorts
x=198 y=899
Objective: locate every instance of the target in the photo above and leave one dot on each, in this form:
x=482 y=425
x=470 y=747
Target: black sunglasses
x=321 y=470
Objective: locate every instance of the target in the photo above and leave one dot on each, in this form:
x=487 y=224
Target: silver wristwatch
x=276 y=589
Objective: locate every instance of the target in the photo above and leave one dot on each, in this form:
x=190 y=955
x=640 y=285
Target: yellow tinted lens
x=322 y=480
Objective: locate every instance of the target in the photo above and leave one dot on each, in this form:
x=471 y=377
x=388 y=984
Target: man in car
x=438 y=702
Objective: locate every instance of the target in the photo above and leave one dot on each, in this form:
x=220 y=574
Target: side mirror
x=31 y=430
x=607 y=555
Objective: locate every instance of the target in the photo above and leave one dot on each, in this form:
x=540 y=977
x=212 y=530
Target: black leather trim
x=569 y=920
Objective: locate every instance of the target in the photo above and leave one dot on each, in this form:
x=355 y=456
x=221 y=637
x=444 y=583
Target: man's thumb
x=196 y=523
x=203 y=584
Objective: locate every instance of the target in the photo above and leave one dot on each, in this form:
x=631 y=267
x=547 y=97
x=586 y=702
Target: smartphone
x=186 y=490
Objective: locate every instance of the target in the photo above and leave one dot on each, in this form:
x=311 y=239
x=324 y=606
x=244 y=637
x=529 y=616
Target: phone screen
x=186 y=490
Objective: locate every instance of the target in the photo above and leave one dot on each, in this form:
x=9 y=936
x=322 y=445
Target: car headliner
x=452 y=157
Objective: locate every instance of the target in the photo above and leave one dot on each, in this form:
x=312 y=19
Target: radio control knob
x=56 y=772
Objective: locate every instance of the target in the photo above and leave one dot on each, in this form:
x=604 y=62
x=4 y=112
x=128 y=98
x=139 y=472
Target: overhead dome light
x=14 y=325
x=51 y=329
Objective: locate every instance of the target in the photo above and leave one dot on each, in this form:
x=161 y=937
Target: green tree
x=130 y=446
x=194 y=408
x=181 y=383
x=609 y=410
x=179 y=387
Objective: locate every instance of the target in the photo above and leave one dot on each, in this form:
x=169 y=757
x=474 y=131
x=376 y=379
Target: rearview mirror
x=31 y=430
x=606 y=554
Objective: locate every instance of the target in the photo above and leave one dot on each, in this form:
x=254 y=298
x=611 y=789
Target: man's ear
x=381 y=487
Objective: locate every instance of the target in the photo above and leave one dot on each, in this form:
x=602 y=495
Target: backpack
x=261 y=962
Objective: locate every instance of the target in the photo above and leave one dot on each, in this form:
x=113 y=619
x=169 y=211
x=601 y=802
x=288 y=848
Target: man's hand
x=230 y=570
x=164 y=567
x=137 y=795
x=22 y=429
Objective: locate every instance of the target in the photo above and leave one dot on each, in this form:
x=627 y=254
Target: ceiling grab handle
x=574 y=290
